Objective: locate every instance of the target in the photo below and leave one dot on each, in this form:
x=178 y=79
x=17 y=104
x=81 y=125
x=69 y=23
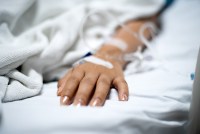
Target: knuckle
x=123 y=82
x=74 y=79
x=104 y=80
x=88 y=80
x=78 y=72
x=120 y=80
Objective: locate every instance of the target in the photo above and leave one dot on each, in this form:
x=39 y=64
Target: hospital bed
x=159 y=100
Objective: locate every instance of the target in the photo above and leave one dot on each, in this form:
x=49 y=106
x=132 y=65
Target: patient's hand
x=89 y=84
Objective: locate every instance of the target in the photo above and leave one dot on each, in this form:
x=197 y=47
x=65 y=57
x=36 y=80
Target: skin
x=90 y=84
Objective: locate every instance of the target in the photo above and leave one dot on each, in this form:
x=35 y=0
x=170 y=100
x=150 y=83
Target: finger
x=71 y=86
x=61 y=82
x=101 y=92
x=63 y=79
x=60 y=88
x=85 y=89
x=121 y=85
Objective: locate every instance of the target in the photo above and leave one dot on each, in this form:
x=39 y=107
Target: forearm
x=132 y=42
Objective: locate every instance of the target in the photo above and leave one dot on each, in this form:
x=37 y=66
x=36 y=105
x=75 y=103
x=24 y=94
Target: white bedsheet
x=159 y=99
x=43 y=37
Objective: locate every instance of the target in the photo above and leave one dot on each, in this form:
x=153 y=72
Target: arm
x=89 y=84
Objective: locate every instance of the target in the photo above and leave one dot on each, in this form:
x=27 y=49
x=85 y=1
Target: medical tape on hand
x=94 y=60
x=117 y=43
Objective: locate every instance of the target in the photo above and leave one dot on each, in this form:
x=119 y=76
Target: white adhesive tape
x=117 y=43
x=95 y=60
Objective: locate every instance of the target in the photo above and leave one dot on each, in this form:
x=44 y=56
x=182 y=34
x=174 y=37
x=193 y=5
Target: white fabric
x=159 y=99
x=42 y=36
x=95 y=60
x=117 y=43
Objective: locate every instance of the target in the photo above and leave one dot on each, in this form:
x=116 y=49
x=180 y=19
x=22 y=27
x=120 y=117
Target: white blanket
x=42 y=36
x=159 y=99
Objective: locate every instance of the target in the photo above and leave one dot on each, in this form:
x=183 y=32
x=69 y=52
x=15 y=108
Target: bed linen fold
x=41 y=37
x=159 y=99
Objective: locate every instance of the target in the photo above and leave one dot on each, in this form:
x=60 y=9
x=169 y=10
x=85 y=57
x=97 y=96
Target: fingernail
x=124 y=97
x=97 y=102
x=64 y=100
x=79 y=103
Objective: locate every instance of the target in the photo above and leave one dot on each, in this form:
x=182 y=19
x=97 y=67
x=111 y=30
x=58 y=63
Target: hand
x=89 y=84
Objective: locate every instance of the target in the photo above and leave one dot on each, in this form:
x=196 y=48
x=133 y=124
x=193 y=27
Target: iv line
x=140 y=36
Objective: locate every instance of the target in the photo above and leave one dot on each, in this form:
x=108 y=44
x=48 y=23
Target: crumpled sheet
x=42 y=37
x=159 y=99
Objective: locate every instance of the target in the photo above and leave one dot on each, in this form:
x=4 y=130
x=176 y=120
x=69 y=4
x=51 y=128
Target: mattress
x=159 y=99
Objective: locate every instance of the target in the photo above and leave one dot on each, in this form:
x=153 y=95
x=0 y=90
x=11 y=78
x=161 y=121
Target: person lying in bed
x=92 y=81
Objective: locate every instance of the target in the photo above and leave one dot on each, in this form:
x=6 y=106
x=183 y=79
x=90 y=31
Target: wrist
x=115 y=56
